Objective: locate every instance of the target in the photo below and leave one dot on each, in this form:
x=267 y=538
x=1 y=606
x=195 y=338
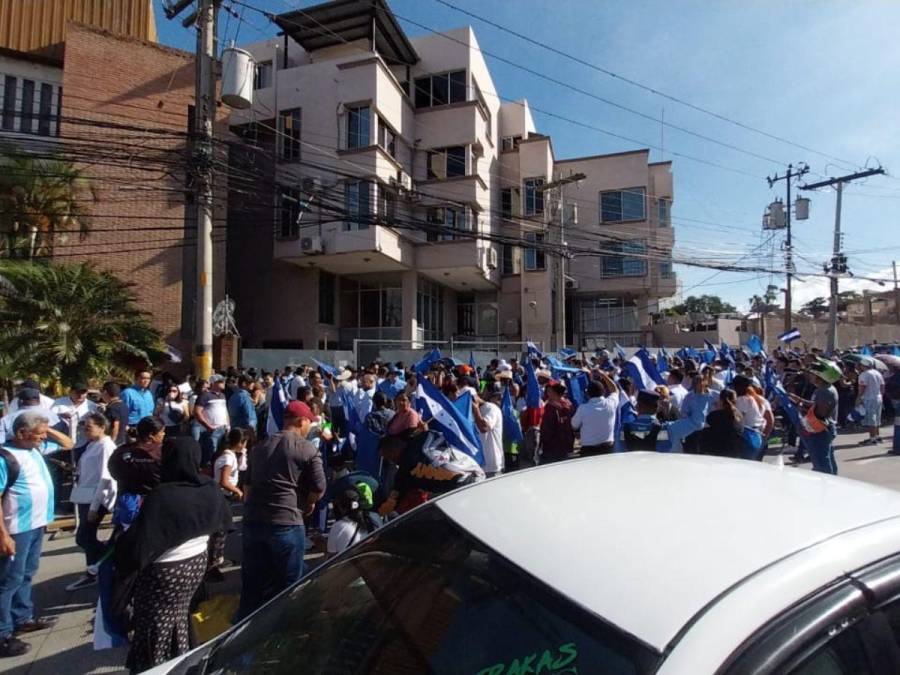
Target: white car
x=628 y=563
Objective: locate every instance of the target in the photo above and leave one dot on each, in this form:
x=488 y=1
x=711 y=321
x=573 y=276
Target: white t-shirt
x=597 y=419
x=751 y=412
x=73 y=414
x=228 y=461
x=678 y=393
x=93 y=483
x=492 y=439
x=873 y=382
x=46 y=402
x=185 y=550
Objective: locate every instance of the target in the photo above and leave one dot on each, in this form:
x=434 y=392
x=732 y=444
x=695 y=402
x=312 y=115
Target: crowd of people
x=320 y=454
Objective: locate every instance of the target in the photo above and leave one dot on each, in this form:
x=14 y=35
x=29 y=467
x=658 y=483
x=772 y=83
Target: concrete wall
x=728 y=330
x=271 y=359
x=815 y=333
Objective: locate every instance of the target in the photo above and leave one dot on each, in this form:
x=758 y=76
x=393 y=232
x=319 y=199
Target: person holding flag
x=596 y=419
x=489 y=422
x=819 y=425
x=530 y=415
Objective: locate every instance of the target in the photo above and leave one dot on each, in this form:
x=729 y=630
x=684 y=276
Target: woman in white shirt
x=756 y=415
x=173 y=410
x=231 y=460
x=94 y=493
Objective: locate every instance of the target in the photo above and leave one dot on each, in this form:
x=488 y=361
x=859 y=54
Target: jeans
x=86 y=534
x=896 y=447
x=209 y=441
x=821 y=451
x=272 y=561
x=16 y=573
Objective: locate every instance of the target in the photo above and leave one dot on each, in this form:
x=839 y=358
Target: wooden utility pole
x=788 y=253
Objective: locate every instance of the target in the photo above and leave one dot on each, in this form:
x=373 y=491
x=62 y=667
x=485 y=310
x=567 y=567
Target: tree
x=847 y=298
x=761 y=304
x=40 y=197
x=815 y=307
x=70 y=323
x=705 y=304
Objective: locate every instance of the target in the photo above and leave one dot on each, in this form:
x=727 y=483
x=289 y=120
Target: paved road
x=68 y=648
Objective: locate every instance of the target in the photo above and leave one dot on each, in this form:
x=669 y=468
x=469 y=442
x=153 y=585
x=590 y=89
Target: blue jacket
x=241 y=410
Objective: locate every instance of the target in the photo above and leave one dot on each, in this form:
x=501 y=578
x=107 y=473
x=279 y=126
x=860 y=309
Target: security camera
x=532 y=304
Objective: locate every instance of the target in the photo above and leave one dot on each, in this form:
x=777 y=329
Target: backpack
x=13 y=469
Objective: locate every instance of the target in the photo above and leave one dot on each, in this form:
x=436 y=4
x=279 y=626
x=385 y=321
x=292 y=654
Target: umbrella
x=889 y=359
x=866 y=361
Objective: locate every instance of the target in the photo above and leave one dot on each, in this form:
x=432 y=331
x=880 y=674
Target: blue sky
x=820 y=73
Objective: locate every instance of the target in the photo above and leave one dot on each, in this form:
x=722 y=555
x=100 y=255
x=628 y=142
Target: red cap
x=464 y=369
x=298 y=410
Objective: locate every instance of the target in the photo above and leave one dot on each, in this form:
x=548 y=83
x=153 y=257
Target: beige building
x=409 y=203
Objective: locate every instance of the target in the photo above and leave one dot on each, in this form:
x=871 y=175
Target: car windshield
x=423 y=596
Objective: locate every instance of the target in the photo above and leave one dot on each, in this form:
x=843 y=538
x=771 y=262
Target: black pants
x=86 y=534
x=598 y=449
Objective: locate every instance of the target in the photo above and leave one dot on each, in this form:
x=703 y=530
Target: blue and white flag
x=754 y=345
x=424 y=365
x=472 y=359
x=512 y=430
x=649 y=367
x=634 y=368
x=325 y=368
x=533 y=351
x=442 y=415
x=277 y=404
x=620 y=353
x=463 y=404
x=354 y=424
x=662 y=360
x=866 y=350
x=895 y=350
x=532 y=388
x=566 y=353
x=789 y=336
x=577 y=385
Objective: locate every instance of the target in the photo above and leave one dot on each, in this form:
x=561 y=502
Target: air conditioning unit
x=492 y=258
x=311 y=245
x=311 y=184
x=571 y=284
x=404 y=180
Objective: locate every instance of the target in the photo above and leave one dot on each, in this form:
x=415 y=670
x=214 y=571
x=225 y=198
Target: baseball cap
x=216 y=378
x=29 y=394
x=298 y=410
x=80 y=387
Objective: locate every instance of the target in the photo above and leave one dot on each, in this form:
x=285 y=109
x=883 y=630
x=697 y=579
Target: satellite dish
x=223 y=318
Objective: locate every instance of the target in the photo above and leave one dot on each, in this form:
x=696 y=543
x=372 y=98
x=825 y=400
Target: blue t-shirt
x=140 y=404
x=29 y=502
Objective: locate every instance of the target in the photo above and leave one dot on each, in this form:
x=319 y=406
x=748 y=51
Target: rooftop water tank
x=237 y=78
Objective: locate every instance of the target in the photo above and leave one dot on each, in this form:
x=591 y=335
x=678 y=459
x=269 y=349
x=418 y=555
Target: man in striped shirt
x=27 y=508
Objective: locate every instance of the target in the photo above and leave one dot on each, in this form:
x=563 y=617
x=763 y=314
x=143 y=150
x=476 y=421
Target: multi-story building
x=409 y=203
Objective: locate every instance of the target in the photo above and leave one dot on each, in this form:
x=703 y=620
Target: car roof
x=647 y=540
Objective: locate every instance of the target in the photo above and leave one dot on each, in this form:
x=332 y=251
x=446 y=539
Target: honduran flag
x=442 y=415
x=754 y=344
x=532 y=388
x=662 y=360
x=635 y=370
x=533 y=351
x=277 y=404
x=649 y=367
x=512 y=430
x=789 y=336
x=431 y=357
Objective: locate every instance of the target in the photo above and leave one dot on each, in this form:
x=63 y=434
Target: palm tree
x=39 y=198
x=69 y=323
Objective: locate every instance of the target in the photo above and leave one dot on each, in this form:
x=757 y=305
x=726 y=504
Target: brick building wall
x=125 y=122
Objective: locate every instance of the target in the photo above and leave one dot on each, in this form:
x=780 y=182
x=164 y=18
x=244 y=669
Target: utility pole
x=201 y=169
x=560 y=309
x=896 y=294
x=788 y=253
x=838 y=262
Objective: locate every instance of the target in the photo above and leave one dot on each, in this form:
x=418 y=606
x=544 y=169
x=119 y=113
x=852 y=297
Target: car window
x=423 y=596
x=843 y=655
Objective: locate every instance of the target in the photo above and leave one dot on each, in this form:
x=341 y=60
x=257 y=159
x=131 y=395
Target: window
x=371 y=305
x=430 y=309
x=358 y=127
x=474 y=317
x=508 y=263
x=289 y=134
x=27 y=116
x=510 y=142
x=440 y=89
x=290 y=211
x=446 y=219
x=607 y=315
x=357 y=204
x=665 y=269
x=387 y=139
x=664 y=211
x=327 y=294
x=262 y=75
x=620 y=205
x=624 y=259
x=9 y=102
x=447 y=162
x=415 y=598
x=387 y=205
x=535 y=258
x=484 y=108
x=45 y=109
x=506 y=203
x=534 y=196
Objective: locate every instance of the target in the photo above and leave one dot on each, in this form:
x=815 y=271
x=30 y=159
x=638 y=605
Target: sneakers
x=868 y=441
x=13 y=646
x=34 y=625
x=86 y=581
